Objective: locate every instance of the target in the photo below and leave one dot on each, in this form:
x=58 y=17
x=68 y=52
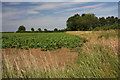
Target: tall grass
x=98 y=58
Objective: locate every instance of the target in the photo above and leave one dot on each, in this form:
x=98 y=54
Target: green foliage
x=32 y=29
x=39 y=29
x=115 y=26
x=102 y=21
x=108 y=27
x=21 y=29
x=96 y=29
x=55 y=29
x=45 y=30
x=88 y=22
x=45 y=41
x=84 y=22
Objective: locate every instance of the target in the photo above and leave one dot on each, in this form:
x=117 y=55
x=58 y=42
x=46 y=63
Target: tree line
x=22 y=29
x=85 y=22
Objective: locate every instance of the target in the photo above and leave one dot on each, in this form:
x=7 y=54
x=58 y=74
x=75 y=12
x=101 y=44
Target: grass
x=98 y=58
x=100 y=55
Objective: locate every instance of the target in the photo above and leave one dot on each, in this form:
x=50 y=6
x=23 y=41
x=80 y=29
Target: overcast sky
x=50 y=15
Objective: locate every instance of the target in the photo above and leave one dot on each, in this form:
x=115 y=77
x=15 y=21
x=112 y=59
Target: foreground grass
x=98 y=58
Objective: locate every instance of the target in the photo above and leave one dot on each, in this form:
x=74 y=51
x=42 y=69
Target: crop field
x=74 y=54
x=45 y=41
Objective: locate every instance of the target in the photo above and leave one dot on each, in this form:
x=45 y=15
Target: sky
x=60 y=0
x=50 y=15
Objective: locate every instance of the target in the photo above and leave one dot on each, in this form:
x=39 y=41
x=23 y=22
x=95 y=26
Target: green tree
x=21 y=29
x=111 y=20
x=72 y=22
x=102 y=21
x=116 y=19
x=84 y=22
x=32 y=29
x=83 y=14
x=55 y=29
x=39 y=29
x=89 y=21
x=45 y=30
x=108 y=19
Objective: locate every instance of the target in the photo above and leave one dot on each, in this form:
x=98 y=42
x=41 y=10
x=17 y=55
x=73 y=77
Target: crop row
x=45 y=41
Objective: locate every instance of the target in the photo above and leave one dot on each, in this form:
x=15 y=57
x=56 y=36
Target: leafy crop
x=45 y=41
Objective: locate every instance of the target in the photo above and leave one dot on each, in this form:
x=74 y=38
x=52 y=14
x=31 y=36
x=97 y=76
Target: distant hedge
x=107 y=27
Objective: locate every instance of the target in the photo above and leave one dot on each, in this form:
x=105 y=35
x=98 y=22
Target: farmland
x=45 y=41
x=74 y=54
x=65 y=39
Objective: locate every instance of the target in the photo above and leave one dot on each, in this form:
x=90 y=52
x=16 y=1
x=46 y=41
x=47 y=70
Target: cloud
x=84 y=7
x=18 y=12
x=12 y=13
x=14 y=3
x=93 y=6
x=32 y=12
x=48 y=6
x=101 y=11
x=31 y=16
x=33 y=0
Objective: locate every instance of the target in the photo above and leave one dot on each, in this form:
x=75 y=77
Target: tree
x=83 y=22
x=102 y=21
x=111 y=20
x=45 y=30
x=83 y=14
x=108 y=19
x=89 y=21
x=55 y=29
x=32 y=29
x=21 y=29
x=39 y=29
x=116 y=19
x=72 y=22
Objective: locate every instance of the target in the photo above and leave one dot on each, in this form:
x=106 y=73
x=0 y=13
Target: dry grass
x=106 y=38
x=98 y=58
x=35 y=58
x=100 y=54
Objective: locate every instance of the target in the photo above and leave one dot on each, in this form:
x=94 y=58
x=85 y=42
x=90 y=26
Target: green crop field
x=45 y=41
